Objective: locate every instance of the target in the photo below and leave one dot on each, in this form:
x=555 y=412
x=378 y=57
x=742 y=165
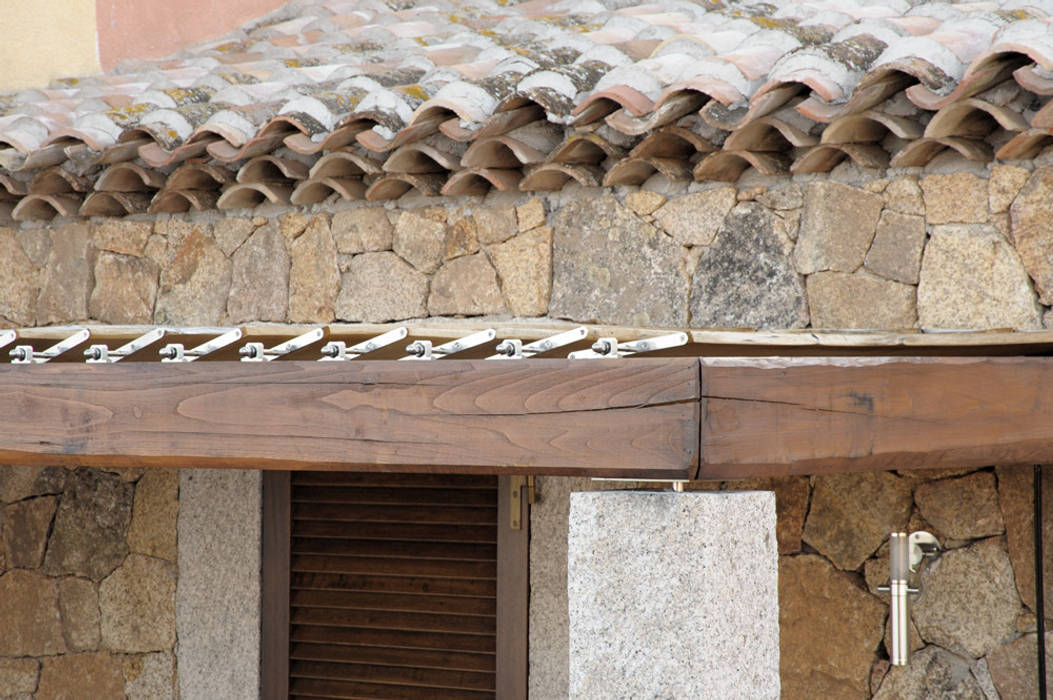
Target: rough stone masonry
x=92 y=554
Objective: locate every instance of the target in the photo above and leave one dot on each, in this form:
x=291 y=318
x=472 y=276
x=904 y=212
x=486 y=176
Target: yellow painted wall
x=46 y=39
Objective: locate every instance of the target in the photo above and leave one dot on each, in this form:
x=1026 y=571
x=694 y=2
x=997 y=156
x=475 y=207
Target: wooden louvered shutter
x=392 y=586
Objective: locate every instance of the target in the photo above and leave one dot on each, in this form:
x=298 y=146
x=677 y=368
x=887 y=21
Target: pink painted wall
x=157 y=28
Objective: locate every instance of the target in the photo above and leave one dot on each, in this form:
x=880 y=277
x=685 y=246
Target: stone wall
x=953 y=246
x=974 y=633
x=926 y=250
x=87 y=583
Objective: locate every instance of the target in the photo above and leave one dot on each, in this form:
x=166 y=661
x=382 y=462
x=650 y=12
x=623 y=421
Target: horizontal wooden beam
x=586 y=417
x=780 y=416
x=643 y=418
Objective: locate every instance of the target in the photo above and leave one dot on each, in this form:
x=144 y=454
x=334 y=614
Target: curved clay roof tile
x=115 y=203
x=920 y=152
x=823 y=158
x=343 y=164
x=198 y=176
x=479 y=181
x=318 y=189
x=395 y=185
x=727 y=166
x=364 y=77
x=635 y=171
x=46 y=206
x=177 y=201
x=552 y=176
x=129 y=177
x=249 y=195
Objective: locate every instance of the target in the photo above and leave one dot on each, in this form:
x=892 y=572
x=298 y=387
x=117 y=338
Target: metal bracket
x=7 y=337
x=610 y=348
x=418 y=350
x=174 y=352
x=516 y=486
x=103 y=355
x=25 y=355
x=513 y=348
x=337 y=350
x=423 y=349
x=510 y=349
x=256 y=352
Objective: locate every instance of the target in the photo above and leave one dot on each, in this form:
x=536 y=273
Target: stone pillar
x=218 y=598
x=673 y=595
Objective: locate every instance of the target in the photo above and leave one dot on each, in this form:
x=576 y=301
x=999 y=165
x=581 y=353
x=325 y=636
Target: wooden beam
x=602 y=417
x=779 y=416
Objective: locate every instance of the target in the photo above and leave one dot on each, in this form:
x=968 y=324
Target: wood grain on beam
x=823 y=415
x=540 y=416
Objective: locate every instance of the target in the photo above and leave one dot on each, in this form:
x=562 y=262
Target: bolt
x=601 y=347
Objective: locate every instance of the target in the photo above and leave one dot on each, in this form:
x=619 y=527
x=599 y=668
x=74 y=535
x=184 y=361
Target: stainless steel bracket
x=514 y=349
x=25 y=355
x=174 y=352
x=337 y=350
x=102 y=354
x=256 y=352
x=423 y=349
x=610 y=348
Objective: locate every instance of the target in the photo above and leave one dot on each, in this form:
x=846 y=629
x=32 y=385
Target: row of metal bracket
x=338 y=350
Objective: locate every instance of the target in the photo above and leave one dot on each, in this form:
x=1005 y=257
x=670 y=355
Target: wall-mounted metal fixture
x=174 y=352
x=101 y=354
x=515 y=512
x=610 y=348
x=514 y=349
x=337 y=350
x=256 y=352
x=906 y=554
x=25 y=355
x=423 y=350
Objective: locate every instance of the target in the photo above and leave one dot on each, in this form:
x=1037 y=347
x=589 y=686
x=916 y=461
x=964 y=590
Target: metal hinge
x=516 y=486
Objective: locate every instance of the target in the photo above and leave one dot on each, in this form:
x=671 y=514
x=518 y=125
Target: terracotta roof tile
x=369 y=99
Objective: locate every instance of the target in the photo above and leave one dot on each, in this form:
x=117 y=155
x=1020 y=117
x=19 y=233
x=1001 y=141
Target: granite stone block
x=673 y=595
x=218 y=595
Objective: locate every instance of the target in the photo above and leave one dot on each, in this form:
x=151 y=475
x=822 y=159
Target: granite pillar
x=218 y=595
x=673 y=595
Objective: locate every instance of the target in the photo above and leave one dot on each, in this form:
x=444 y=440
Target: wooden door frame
x=275 y=579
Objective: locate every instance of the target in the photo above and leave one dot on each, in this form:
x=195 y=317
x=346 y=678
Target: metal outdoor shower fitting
x=906 y=556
